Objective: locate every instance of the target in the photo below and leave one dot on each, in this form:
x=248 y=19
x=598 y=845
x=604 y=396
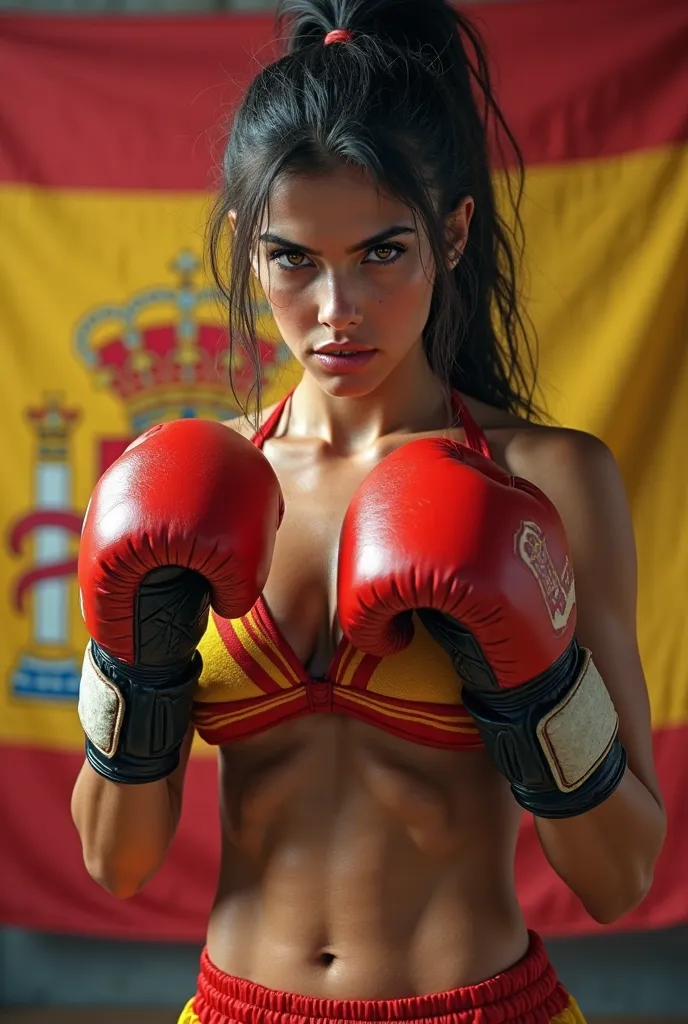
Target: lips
x=343 y=357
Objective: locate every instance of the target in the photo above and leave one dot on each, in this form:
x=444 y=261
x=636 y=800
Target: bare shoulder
x=572 y=467
x=569 y=466
x=575 y=469
x=553 y=453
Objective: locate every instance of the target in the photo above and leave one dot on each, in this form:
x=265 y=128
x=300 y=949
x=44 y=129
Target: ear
x=231 y=220
x=456 y=227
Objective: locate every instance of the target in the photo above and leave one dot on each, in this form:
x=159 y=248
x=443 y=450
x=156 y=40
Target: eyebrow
x=367 y=243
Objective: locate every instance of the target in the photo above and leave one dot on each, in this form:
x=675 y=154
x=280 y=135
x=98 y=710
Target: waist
x=527 y=992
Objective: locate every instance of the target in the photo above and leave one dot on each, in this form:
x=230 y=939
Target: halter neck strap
x=474 y=437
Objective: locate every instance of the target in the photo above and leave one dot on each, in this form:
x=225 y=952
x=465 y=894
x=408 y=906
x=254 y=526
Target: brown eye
x=290 y=259
x=385 y=254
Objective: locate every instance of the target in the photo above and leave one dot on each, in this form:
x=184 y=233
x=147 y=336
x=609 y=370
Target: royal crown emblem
x=165 y=353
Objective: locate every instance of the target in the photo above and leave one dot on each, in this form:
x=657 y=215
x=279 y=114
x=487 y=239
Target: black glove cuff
x=135 y=719
x=554 y=739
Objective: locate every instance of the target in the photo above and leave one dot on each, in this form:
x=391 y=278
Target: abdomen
x=359 y=865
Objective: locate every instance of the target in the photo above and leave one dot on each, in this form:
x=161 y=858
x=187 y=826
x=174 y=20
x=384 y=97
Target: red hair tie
x=338 y=35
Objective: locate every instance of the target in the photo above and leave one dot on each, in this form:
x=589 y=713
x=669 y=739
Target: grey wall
x=631 y=975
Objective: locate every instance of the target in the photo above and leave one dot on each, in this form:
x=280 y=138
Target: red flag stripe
x=135 y=103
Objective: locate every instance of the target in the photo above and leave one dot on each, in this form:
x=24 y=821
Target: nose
x=339 y=306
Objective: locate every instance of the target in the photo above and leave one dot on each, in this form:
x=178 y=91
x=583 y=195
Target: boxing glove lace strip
x=555 y=738
x=134 y=725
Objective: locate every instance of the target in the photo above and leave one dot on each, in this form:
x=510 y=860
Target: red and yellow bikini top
x=252 y=679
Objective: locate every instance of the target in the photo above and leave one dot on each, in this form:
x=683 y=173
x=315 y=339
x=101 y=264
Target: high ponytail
x=409 y=100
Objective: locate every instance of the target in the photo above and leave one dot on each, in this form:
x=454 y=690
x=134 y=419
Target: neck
x=410 y=400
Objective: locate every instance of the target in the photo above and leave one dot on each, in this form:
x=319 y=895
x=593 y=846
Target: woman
x=371 y=784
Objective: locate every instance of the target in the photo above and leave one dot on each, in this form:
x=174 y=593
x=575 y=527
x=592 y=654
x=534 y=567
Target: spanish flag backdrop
x=107 y=324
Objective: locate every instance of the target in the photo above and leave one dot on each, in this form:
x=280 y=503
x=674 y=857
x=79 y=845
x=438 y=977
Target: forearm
x=126 y=830
x=607 y=855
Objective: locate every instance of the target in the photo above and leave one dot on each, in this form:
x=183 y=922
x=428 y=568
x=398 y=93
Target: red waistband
x=527 y=993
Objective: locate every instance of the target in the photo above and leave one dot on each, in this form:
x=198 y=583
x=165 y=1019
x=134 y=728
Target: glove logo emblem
x=557 y=589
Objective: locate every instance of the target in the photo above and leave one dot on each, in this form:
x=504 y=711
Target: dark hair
x=409 y=100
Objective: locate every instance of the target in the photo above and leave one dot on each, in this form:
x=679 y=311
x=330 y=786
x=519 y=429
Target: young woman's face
x=348 y=276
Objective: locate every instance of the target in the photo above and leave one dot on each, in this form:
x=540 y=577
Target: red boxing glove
x=436 y=525
x=482 y=557
x=185 y=518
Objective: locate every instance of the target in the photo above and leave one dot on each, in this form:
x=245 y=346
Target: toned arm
x=126 y=830
x=607 y=855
